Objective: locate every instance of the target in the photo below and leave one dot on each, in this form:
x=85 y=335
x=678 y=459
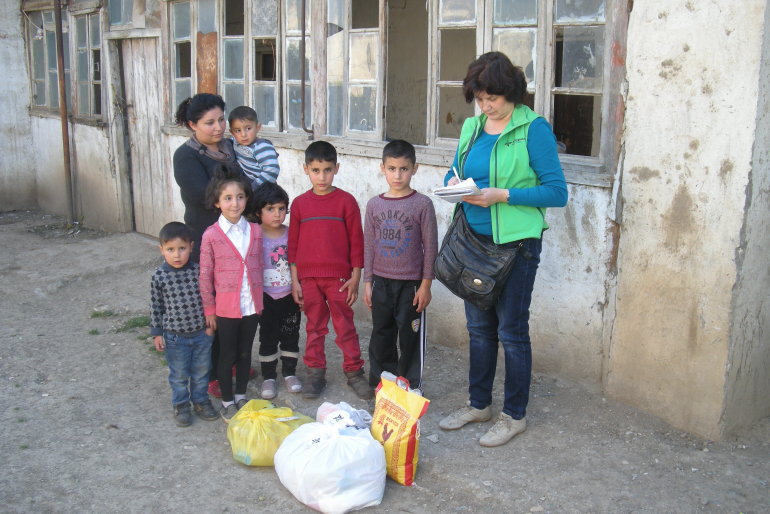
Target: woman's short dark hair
x=268 y=193
x=493 y=73
x=194 y=108
x=225 y=174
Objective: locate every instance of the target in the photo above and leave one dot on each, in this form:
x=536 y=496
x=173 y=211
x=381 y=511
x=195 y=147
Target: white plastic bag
x=332 y=469
x=328 y=413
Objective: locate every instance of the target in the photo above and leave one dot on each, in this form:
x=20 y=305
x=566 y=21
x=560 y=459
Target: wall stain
x=692 y=330
x=726 y=168
x=679 y=221
x=643 y=173
x=694 y=144
x=588 y=217
x=569 y=217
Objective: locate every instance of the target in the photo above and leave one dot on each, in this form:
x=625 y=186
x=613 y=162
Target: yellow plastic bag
x=258 y=429
x=396 y=425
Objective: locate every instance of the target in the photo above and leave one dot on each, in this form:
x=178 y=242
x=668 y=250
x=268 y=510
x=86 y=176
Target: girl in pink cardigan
x=231 y=282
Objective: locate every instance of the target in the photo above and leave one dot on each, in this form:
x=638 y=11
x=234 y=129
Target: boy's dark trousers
x=279 y=323
x=396 y=325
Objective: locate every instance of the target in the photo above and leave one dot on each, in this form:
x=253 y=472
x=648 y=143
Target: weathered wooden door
x=144 y=113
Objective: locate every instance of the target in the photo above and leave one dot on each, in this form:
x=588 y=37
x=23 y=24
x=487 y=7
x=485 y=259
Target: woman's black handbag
x=473 y=268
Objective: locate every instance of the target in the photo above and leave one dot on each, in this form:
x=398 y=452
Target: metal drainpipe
x=65 y=133
x=302 y=75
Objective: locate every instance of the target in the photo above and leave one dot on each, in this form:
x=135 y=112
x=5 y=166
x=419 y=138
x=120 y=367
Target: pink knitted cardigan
x=222 y=272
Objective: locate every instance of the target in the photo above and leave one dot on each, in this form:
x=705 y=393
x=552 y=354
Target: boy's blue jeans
x=189 y=359
x=508 y=323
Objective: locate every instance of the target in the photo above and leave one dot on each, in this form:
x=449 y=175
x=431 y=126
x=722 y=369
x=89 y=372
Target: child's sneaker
x=182 y=416
x=293 y=385
x=228 y=412
x=241 y=403
x=205 y=410
x=357 y=381
x=268 y=390
x=214 y=389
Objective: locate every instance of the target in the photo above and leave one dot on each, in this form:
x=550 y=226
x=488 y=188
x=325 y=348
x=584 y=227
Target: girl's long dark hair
x=225 y=174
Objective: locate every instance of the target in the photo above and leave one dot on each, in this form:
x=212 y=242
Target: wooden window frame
x=48 y=26
x=76 y=100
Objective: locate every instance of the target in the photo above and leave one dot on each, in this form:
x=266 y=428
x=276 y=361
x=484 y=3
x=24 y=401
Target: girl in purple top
x=279 y=324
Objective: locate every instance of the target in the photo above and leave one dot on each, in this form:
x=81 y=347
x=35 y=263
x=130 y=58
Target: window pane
x=363 y=108
x=579 y=57
x=181 y=20
x=53 y=89
x=515 y=11
x=293 y=70
x=264 y=59
x=577 y=122
x=97 y=64
x=335 y=16
x=295 y=103
x=335 y=69
x=363 y=56
x=455 y=11
x=182 y=91
x=293 y=11
x=80 y=24
x=183 y=58
x=519 y=46
x=233 y=96
x=128 y=11
x=95 y=31
x=39 y=93
x=38 y=59
x=98 y=99
x=264 y=18
x=583 y=10
x=68 y=91
x=35 y=21
x=116 y=12
x=264 y=104
x=453 y=111
x=234 y=18
x=82 y=66
x=65 y=38
x=458 y=50
x=83 y=98
x=207 y=16
x=233 y=50
x=366 y=14
x=50 y=46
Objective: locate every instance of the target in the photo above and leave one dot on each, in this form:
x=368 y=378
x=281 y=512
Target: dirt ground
x=86 y=416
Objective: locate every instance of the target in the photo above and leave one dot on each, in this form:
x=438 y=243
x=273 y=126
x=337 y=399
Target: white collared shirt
x=240 y=235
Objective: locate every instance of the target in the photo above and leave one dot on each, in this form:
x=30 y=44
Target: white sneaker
x=465 y=415
x=505 y=429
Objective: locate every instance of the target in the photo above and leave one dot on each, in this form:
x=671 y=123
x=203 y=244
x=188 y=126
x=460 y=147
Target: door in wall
x=144 y=117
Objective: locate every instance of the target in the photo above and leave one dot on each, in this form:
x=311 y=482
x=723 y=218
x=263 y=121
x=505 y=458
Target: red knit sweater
x=325 y=235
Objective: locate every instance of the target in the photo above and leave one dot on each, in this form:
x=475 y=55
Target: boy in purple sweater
x=400 y=245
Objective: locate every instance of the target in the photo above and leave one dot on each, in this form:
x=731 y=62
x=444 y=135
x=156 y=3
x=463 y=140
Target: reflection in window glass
x=233 y=53
x=457 y=11
x=453 y=111
x=579 y=57
x=293 y=70
x=207 y=16
x=293 y=11
x=577 y=121
x=458 y=50
x=234 y=22
x=583 y=10
x=181 y=20
x=295 y=103
x=264 y=104
x=515 y=12
x=363 y=108
x=519 y=46
x=363 y=56
x=233 y=96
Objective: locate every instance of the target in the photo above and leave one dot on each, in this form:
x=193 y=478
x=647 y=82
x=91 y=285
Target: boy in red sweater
x=326 y=253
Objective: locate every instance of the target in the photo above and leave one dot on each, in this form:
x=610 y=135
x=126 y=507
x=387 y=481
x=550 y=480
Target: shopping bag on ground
x=332 y=469
x=396 y=424
x=258 y=429
x=331 y=411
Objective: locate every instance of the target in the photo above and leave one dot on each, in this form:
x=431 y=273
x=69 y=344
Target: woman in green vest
x=510 y=152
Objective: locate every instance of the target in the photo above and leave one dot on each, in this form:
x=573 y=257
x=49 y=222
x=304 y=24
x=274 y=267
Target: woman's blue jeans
x=188 y=361
x=508 y=323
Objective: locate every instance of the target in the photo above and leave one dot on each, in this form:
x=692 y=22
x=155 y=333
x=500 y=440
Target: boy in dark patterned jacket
x=179 y=325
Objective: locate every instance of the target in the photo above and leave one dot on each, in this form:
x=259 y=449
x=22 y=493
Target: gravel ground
x=86 y=419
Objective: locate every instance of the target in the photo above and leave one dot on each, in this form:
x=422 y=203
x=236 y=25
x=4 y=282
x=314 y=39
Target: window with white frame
x=88 y=64
x=43 y=61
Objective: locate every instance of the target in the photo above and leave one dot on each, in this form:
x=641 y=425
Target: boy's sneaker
x=465 y=415
x=182 y=416
x=293 y=385
x=214 y=389
x=315 y=383
x=503 y=431
x=357 y=381
x=268 y=389
x=228 y=412
x=205 y=410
